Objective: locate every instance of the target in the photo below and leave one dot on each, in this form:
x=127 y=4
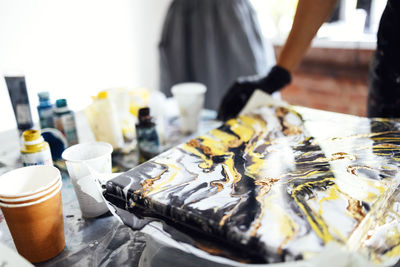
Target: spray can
x=35 y=151
x=64 y=120
x=147 y=138
x=45 y=110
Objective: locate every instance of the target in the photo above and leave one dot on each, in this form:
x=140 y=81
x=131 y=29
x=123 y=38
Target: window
x=352 y=20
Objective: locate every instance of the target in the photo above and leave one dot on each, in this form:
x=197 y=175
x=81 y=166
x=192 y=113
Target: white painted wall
x=75 y=48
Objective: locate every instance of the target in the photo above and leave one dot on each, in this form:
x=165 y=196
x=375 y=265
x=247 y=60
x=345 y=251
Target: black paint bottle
x=20 y=102
x=148 y=143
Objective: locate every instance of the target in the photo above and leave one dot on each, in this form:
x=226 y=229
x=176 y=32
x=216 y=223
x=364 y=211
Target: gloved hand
x=239 y=93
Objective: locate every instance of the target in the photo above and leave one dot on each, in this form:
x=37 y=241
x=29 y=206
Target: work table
x=325 y=145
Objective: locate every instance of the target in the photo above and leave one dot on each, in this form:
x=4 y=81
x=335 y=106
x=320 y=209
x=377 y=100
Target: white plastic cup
x=79 y=158
x=190 y=99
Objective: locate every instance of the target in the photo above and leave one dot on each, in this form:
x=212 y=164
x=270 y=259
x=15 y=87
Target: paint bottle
x=45 y=110
x=64 y=120
x=147 y=138
x=35 y=151
x=20 y=102
x=105 y=124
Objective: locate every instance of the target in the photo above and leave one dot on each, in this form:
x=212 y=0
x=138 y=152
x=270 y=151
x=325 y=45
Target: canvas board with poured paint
x=279 y=183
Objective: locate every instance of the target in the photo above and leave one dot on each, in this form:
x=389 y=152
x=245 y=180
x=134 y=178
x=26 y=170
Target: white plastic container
x=82 y=160
x=104 y=122
x=190 y=99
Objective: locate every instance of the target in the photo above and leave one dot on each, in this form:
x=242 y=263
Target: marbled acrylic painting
x=280 y=182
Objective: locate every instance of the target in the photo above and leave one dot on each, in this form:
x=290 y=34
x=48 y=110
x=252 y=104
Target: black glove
x=239 y=93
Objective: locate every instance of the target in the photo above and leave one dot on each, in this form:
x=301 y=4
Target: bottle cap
x=31 y=135
x=144 y=112
x=102 y=95
x=60 y=103
x=44 y=95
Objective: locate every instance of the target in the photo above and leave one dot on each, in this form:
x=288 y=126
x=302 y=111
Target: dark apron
x=212 y=42
x=384 y=78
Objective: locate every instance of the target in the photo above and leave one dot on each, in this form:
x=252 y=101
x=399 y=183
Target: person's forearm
x=310 y=15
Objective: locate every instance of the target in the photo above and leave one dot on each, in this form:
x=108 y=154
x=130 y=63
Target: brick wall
x=331 y=79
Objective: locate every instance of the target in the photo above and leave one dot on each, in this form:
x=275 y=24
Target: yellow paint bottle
x=35 y=151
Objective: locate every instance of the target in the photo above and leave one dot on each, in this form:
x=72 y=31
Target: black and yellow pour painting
x=279 y=183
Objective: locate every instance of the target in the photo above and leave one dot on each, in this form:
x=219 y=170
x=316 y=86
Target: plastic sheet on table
x=118 y=246
x=166 y=246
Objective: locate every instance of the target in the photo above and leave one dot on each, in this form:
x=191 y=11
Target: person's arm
x=309 y=17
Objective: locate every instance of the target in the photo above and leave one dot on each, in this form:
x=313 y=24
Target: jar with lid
x=34 y=150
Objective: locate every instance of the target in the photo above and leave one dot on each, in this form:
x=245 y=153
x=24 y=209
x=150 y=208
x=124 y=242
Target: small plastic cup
x=36 y=225
x=79 y=158
x=190 y=99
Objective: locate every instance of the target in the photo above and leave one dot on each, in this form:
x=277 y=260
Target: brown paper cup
x=39 y=193
x=32 y=198
x=28 y=181
x=37 y=227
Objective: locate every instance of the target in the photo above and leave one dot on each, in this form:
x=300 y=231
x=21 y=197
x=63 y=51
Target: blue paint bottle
x=45 y=110
x=148 y=143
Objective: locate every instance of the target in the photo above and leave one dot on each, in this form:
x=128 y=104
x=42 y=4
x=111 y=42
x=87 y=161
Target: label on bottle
x=58 y=124
x=23 y=114
x=38 y=158
x=46 y=118
x=66 y=124
x=148 y=143
x=68 y=121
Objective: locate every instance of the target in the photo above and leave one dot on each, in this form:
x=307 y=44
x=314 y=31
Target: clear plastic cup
x=35 y=220
x=190 y=99
x=82 y=160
